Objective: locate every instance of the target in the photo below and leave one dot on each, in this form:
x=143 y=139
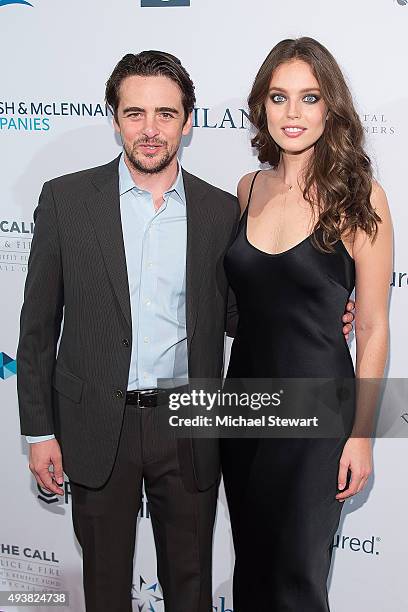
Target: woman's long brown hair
x=338 y=177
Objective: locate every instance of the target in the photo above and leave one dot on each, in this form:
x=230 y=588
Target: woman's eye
x=277 y=98
x=311 y=98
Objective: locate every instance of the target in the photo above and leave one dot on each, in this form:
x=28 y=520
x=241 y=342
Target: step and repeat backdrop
x=56 y=57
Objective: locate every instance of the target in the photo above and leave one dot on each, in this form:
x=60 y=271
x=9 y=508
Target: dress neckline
x=292 y=248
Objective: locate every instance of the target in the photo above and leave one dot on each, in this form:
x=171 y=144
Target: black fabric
x=281 y=492
x=290 y=307
x=105 y=521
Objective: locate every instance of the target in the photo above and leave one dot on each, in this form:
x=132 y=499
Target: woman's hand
x=357 y=457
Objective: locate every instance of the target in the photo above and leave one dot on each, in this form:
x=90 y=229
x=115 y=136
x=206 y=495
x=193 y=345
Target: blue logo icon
x=165 y=3
x=8 y=366
x=146 y=597
x=4 y=2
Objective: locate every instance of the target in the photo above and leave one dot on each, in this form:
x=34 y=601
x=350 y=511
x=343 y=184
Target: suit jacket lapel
x=104 y=211
x=199 y=225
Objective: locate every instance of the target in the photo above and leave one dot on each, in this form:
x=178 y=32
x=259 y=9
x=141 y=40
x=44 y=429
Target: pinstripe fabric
x=77 y=270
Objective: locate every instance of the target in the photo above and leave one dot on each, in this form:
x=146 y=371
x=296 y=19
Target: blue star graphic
x=146 y=597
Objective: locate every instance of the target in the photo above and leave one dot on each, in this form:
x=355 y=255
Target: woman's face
x=295 y=110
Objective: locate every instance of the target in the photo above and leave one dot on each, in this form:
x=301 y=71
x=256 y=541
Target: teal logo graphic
x=165 y=3
x=147 y=596
x=8 y=366
x=4 y=2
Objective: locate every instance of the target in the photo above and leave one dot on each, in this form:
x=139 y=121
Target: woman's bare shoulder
x=245 y=182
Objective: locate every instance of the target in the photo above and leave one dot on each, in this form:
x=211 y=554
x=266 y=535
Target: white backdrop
x=56 y=57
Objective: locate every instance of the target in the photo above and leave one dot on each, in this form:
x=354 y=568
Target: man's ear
x=188 y=124
x=116 y=124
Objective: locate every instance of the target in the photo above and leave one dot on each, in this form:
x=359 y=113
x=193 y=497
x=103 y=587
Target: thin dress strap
x=252 y=187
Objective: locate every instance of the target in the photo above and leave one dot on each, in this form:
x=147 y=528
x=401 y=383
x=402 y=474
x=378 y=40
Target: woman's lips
x=293 y=131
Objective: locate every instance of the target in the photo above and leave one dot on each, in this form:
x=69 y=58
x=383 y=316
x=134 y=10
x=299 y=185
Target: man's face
x=150 y=120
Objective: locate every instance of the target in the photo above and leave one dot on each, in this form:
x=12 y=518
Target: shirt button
x=125 y=342
x=145 y=339
x=145 y=375
x=119 y=394
x=147 y=302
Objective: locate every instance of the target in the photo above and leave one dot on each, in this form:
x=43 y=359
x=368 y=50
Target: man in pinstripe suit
x=130 y=256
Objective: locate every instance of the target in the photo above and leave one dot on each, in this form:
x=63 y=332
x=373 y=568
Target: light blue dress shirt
x=155 y=247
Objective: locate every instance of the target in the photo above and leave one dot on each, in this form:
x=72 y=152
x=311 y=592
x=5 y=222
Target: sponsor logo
x=146 y=3
x=238 y=119
x=51 y=498
x=399 y=279
x=28 y=553
x=367 y=547
x=148 y=596
x=23 y=116
x=402 y=2
x=377 y=124
x=220 y=605
x=34 y=116
x=17 y=227
x=15 y=245
x=28 y=567
x=8 y=366
x=4 y=2
x=232 y=118
x=144 y=508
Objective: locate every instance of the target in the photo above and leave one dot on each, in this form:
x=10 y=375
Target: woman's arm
x=373 y=261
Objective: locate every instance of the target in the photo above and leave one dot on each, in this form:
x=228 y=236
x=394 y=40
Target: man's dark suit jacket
x=77 y=272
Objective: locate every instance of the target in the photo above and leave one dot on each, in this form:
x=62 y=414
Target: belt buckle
x=147 y=393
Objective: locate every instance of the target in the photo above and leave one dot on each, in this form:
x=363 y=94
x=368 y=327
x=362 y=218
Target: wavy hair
x=338 y=176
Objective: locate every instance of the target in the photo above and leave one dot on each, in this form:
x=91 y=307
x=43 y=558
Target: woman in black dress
x=313 y=226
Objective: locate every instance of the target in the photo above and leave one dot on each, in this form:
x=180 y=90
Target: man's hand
x=42 y=456
x=348 y=319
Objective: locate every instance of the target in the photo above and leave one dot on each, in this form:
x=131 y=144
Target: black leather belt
x=149 y=398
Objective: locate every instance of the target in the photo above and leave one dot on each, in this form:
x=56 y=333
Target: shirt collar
x=126 y=182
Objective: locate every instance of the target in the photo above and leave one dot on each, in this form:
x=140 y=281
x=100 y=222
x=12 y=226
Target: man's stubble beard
x=139 y=167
